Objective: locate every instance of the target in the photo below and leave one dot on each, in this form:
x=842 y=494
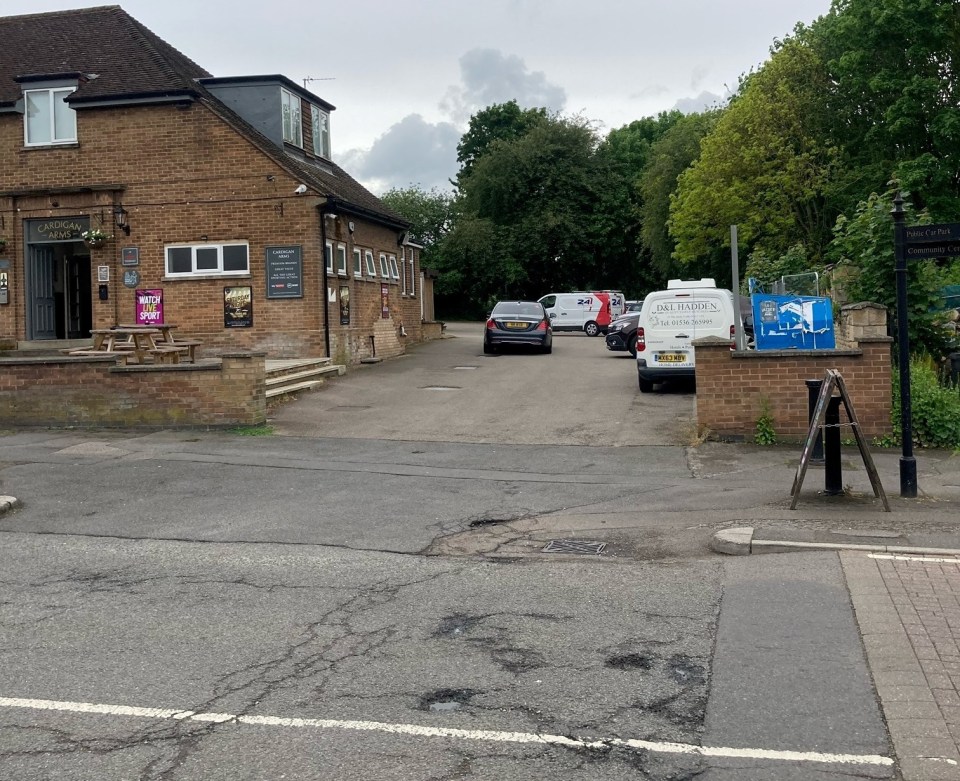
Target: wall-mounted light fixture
x=120 y=217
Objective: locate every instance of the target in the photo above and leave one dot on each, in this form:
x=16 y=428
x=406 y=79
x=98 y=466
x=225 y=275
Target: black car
x=622 y=333
x=518 y=323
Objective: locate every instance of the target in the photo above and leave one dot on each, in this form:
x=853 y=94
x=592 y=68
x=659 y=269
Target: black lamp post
x=908 y=464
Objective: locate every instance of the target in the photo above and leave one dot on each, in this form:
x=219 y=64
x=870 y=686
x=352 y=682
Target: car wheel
x=591 y=328
x=488 y=349
x=547 y=349
x=632 y=345
x=645 y=385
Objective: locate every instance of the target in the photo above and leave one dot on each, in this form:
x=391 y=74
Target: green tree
x=525 y=227
x=500 y=122
x=430 y=214
x=669 y=156
x=865 y=242
x=893 y=95
x=765 y=166
x=616 y=219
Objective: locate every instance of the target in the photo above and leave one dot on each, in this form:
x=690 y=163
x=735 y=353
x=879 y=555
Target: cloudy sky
x=405 y=75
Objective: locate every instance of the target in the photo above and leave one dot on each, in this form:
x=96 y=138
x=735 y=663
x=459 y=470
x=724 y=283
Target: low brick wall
x=734 y=386
x=95 y=392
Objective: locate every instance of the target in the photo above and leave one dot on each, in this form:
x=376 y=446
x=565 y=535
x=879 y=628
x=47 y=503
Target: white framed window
x=328 y=256
x=384 y=266
x=357 y=262
x=413 y=273
x=342 y=259
x=320 y=122
x=292 y=125
x=403 y=271
x=371 y=267
x=47 y=117
x=192 y=260
x=394 y=271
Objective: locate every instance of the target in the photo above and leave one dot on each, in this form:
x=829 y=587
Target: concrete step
x=281 y=390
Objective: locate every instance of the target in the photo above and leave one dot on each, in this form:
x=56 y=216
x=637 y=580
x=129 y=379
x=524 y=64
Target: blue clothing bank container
x=792 y=322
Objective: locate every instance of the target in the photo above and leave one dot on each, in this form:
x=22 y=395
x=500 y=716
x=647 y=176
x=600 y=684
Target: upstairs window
x=48 y=118
x=342 y=259
x=207 y=259
x=371 y=266
x=320 y=121
x=384 y=266
x=394 y=271
x=357 y=262
x=292 y=125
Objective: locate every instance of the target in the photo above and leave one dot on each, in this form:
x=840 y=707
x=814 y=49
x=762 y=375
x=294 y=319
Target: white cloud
x=702 y=101
x=417 y=152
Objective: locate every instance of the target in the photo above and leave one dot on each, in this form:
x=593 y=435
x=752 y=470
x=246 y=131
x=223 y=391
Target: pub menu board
x=284 y=272
x=238 y=307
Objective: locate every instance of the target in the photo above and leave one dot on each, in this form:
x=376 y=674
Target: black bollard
x=833 y=469
x=813 y=393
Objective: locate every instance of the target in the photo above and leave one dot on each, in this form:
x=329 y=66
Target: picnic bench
x=186 y=347
x=139 y=343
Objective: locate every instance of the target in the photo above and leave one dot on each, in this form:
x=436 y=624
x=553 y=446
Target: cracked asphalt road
x=330 y=602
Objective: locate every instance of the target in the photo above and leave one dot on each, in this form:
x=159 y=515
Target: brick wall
x=186 y=177
x=734 y=386
x=96 y=392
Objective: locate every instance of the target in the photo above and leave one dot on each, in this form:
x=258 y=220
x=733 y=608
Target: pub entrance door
x=59 y=287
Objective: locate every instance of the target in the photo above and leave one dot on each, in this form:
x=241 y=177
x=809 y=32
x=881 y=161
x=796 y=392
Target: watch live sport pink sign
x=149 y=307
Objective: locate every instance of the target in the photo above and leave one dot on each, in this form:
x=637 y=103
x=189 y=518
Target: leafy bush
x=766 y=433
x=935 y=408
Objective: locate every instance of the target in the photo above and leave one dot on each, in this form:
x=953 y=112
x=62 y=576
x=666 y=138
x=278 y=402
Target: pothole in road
x=630 y=662
x=447 y=700
x=685 y=672
x=457 y=625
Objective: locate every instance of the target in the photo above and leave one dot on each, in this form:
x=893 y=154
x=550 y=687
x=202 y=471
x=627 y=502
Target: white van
x=590 y=311
x=671 y=319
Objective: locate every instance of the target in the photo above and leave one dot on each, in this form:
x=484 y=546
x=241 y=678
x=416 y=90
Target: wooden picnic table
x=166 y=331
x=137 y=341
x=187 y=347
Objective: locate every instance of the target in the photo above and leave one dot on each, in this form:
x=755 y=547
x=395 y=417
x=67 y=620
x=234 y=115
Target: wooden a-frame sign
x=833 y=380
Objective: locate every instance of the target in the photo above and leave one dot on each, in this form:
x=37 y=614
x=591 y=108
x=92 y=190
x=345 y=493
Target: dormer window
x=321 y=132
x=47 y=117
x=292 y=127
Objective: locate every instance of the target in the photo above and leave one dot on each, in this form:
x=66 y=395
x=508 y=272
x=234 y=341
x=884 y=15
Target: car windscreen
x=520 y=309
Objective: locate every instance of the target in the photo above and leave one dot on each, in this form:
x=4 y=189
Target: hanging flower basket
x=95 y=238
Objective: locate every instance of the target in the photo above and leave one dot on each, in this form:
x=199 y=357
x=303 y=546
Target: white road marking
x=446 y=732
x=931 y=559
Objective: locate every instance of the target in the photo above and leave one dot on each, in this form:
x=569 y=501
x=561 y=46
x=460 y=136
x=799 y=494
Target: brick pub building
x=223 y=209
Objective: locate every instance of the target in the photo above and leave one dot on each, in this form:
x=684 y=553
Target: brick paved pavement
x=908 y=609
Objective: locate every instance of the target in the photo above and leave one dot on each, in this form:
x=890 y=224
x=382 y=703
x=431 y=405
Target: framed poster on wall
x=284 y=272
x=344 y=305
x=238 y=307
x=149 y=305
x=384 y=301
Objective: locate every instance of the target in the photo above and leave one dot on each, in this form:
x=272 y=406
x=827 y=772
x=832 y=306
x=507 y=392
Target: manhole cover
x=575 y=546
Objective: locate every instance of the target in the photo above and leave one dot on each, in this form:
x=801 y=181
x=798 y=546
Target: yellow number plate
x=516 y=325
x=671 y=357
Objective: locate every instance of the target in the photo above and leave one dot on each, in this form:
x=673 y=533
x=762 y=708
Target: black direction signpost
x=914 y=242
